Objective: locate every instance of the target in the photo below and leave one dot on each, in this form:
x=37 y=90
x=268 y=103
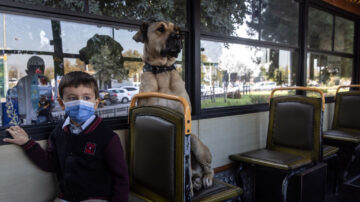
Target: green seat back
x=158 y=155
x=295 y=126
x=347 y=110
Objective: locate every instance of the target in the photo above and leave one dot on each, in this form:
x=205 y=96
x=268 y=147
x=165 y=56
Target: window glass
x=29 y=76
x=26 y=33
x=2 y=30
x=75 y=35
x=344 y=35
x=168 y=10
x=29 y=92
x=233 y=74
x=328 y=72
x=319 y=29
x=279 y=21
x=75 y=64
x=234 y=18
x=72 y=5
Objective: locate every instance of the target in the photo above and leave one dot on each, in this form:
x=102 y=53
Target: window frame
x=302 y=50
x=334 y=11
x=42 y=131
x=192 y=35
x=242 y=109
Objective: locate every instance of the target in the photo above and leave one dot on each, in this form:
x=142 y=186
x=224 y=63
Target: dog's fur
x=162 y=44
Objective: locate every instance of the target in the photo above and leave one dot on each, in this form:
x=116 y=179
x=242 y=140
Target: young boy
x=86 y=156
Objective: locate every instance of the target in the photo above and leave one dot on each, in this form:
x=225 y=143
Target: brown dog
x=162 y=44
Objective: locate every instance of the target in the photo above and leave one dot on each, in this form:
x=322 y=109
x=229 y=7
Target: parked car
x=122 y=94
x=131 y=89
x=219 y=90
x=205 y=90
x=264 y=85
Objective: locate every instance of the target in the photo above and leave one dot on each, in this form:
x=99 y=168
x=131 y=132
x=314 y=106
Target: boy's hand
x=20 y=137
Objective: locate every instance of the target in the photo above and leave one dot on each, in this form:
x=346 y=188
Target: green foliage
x=222 y=16
x=257 y=99
x=280 y=76
x=243 y=100
x=236 y=94
x=320 y=29
x=274 y=58
x=277 y=23
x=108 y=66
x=143 y=10
x=73 y=5
x=132 y=66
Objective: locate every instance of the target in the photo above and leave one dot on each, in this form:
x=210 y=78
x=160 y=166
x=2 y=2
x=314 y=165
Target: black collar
x=157 y=69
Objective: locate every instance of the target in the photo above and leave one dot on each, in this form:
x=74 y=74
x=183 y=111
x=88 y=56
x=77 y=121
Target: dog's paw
x=197 y=184
x=207 y=180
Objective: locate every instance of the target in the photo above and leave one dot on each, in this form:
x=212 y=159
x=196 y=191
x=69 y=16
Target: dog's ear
x=141 y=35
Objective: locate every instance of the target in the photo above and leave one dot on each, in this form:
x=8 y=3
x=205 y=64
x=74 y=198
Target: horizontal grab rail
x=346 y=86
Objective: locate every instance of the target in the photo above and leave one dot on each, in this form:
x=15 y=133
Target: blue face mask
x=79 y=110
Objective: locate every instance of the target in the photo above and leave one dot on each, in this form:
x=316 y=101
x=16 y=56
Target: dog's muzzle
x=173 y=45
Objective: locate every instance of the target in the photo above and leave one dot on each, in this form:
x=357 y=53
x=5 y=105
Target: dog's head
x=160 y=38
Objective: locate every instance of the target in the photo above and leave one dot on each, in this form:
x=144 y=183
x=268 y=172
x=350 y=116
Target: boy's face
x=79 y=93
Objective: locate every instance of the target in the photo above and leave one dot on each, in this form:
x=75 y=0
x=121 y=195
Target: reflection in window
x=25 y=33
x=75 y=64
x=344 y=35
x=29 y=96
x=328 y=72
x=29 y=89
x=171 y=10
x=243 y=75
x=75 y=35
x=73 y=5
x=319 y=29
x=279 y=21
x=2 y=20
x=235 y=18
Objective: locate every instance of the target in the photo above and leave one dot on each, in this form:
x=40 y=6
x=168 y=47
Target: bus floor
x=348 y=192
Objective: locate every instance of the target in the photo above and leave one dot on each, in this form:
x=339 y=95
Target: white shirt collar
x=78 y=129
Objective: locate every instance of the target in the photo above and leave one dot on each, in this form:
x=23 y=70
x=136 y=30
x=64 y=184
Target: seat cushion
x=218 y=192
x=329 y=150
x=348 y=136
x=270 y=158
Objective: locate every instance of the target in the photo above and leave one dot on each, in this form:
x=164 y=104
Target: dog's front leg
x=203 y=156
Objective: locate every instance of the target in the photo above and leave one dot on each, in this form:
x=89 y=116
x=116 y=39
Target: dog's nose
x=175 y=35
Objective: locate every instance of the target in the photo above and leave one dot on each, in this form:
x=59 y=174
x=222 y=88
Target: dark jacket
x=89 y=165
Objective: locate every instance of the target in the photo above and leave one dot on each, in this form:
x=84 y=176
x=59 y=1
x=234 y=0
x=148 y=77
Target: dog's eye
x=161 y=29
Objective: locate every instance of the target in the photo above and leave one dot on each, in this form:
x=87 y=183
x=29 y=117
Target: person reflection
x=30 y=88
x=44 y=110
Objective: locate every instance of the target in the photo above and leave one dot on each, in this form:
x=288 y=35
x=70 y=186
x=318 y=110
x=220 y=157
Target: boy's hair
x=77 y=78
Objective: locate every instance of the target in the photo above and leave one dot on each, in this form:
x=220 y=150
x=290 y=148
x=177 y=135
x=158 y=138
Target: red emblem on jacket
x=90 y=148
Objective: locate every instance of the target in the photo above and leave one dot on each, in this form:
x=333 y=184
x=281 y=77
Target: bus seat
x=159 y=158
x=293 y=140
x=21 y=180
x=329 y=151
x=345 y=131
